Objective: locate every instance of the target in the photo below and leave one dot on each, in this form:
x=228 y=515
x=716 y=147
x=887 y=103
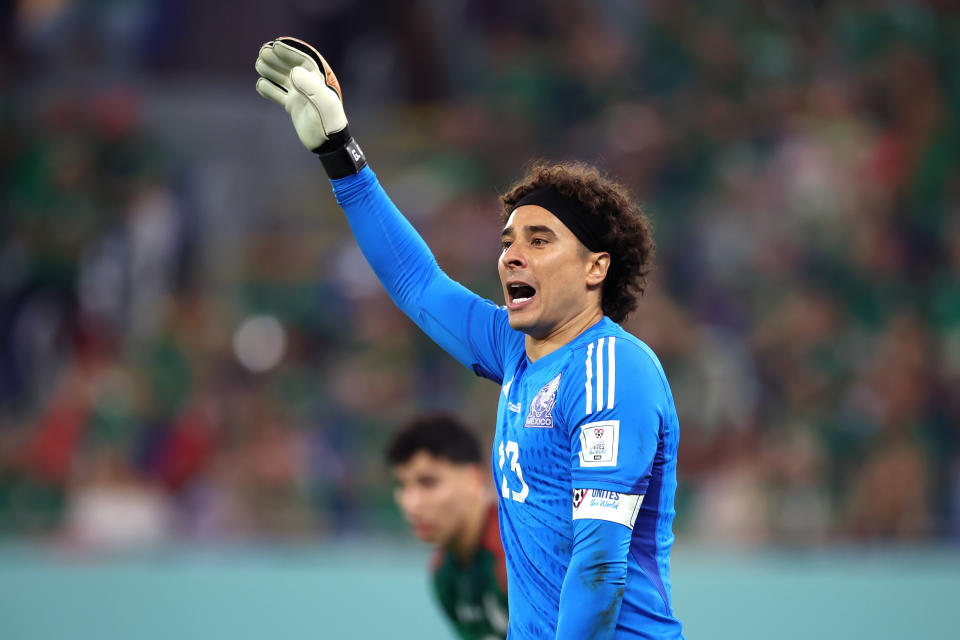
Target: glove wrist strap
x=341 y=155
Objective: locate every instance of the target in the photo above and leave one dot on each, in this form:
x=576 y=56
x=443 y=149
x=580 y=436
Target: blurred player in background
x=587 y=434
x=443 y=491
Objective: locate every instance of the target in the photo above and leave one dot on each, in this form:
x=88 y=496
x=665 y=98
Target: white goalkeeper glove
x=295 y=75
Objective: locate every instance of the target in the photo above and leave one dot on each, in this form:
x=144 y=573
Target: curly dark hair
x=627 y=239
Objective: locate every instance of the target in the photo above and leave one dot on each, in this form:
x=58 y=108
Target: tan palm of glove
x=294 y=75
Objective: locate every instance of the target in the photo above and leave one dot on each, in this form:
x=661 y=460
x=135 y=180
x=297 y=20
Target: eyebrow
x=530 y=228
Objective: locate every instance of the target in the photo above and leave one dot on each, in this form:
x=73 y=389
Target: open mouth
x=518 y=294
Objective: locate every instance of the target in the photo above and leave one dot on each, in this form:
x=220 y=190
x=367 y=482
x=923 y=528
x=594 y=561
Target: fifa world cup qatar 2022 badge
x=541 y=408
x=599 y=442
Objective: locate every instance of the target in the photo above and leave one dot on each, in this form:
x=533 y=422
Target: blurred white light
x=259 y=343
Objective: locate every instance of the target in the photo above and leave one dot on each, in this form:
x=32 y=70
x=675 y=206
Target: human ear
x=597 y=266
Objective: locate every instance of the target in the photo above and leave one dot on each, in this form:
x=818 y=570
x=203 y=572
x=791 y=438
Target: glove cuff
x=341 y=155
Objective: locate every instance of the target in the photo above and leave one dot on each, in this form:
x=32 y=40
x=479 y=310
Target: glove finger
x=274 y=75
x=291 y=51
x=292 y=57
x=304 y=47
x=268 y=53
x=271 y=91
x=309 y=84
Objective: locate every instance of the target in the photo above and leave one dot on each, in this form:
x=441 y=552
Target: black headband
x=585 y=226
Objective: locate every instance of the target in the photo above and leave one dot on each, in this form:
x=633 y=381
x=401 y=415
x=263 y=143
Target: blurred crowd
x=800 y=162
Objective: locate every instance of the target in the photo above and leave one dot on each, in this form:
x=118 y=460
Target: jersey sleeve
x=593 y=586
x=473 y=330
x=615 y=409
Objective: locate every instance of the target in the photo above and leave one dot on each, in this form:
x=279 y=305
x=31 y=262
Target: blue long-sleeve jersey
x=582 y=433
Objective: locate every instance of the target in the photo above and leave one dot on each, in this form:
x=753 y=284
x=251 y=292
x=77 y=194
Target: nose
x=512 y=257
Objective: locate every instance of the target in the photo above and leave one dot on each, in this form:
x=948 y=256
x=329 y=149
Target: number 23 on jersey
x=512 y=450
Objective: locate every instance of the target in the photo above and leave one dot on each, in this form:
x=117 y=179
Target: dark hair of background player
x=440 y=435
x=627 y=239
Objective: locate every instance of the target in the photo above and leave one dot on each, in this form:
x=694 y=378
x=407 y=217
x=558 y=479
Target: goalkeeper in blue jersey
x=584 y=458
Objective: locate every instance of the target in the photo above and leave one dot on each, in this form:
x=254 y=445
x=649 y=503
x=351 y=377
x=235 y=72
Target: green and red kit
x=474 y=594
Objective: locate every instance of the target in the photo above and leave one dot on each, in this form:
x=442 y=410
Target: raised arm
x=453 y=316
x=295 y=75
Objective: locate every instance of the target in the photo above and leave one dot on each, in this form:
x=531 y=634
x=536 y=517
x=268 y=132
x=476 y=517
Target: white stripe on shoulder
x=612 y=369
x=600 y=374
x=589 y=385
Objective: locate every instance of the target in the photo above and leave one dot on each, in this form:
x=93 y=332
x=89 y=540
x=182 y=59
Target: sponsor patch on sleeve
x=598 y=444
x=600 y=504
